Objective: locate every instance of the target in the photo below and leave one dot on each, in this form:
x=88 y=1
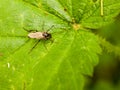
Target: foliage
x=58 y=65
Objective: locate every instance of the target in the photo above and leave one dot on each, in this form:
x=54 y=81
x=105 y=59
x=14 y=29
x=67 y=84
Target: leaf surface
x=57 y=65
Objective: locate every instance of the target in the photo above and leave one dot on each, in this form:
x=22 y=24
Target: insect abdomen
x=36 y=35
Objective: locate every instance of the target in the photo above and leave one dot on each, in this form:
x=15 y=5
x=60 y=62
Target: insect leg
x=30 y=30
x=34 y=46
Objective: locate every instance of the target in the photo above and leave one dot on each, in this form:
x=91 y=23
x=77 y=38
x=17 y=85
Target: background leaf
x=92 y=18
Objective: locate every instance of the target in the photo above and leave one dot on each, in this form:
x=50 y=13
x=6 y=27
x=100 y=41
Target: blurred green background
x=107 y=73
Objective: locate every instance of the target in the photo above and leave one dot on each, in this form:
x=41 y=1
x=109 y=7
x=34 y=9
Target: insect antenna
x=50 y=28
x=43 y=25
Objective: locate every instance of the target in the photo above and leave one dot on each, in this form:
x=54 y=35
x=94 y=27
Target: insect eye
x=46 y=34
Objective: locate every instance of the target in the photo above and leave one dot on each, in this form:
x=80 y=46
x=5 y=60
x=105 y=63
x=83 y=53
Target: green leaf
x=107 y=46
x=57 y=65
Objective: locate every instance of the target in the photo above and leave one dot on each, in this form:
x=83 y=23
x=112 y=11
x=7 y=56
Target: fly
x=34 y=34
x=40 y=35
